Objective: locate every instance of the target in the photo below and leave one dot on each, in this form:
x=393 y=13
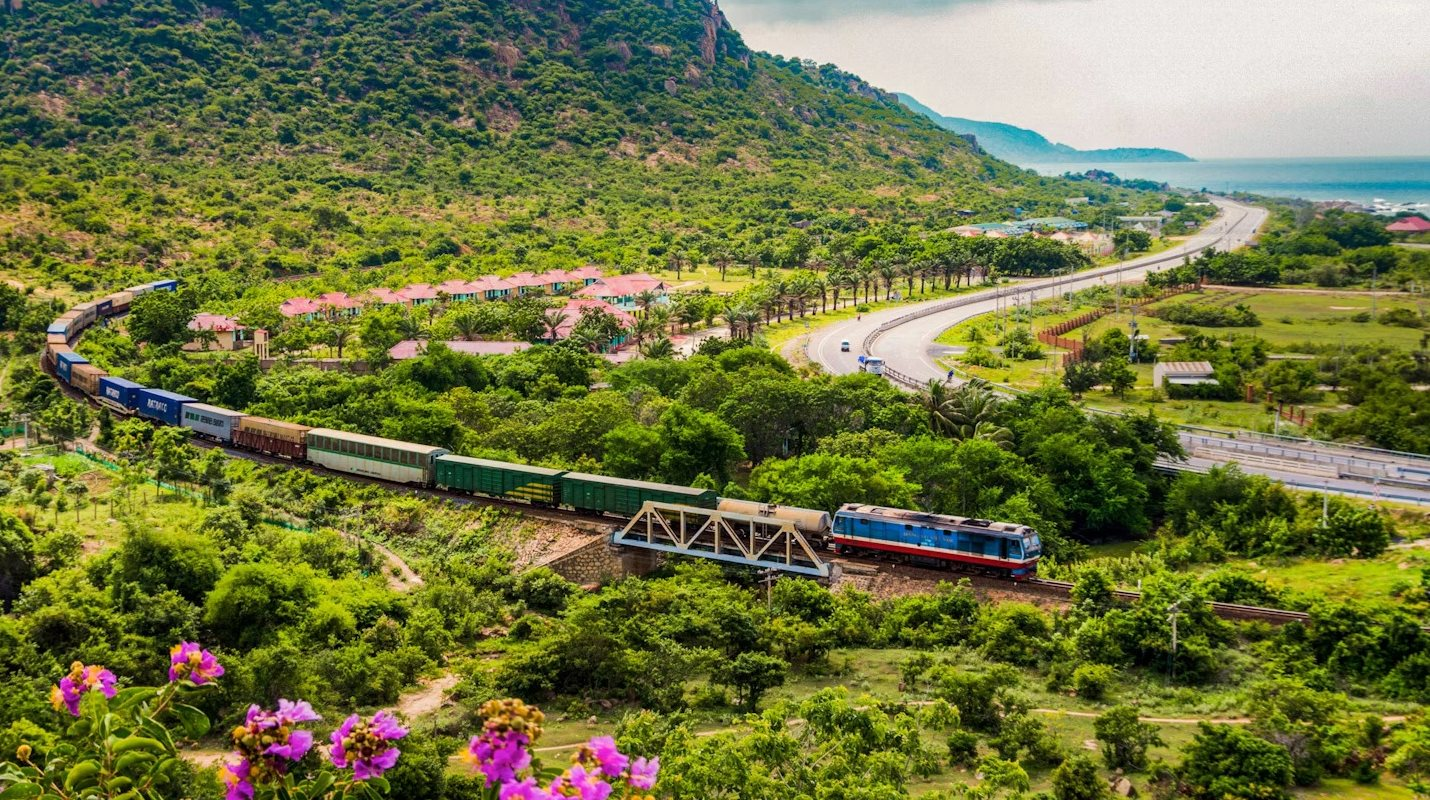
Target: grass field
x=778 y=334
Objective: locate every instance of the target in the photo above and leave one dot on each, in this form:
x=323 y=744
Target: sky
x=1211 y=78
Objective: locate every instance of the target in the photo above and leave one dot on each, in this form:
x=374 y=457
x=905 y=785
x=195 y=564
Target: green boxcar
x=620 y=496
x=498 y=479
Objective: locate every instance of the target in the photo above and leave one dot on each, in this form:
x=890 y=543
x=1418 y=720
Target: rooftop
x=1186 y=368
x=214 y=322
x=1409 y=225
x=413 y=348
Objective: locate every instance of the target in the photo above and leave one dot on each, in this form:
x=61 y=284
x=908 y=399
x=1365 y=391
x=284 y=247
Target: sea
x=1367 y=181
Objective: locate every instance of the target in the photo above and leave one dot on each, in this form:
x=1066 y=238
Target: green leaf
x=320 y=785
x=82 y=774
x=195 y=722
x=131 y=696
x=22 y=791
x=138 y=743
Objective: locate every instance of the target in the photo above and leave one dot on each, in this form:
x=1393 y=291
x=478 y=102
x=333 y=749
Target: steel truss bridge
x=751 y=541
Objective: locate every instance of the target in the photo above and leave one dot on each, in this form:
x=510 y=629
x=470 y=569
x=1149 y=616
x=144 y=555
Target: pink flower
x=590 y=786
x=612 y=761
x=643 y=772
x=366 y=747
x=188 y=660
x=297 y=745
x=290 y=712
x=498 y=755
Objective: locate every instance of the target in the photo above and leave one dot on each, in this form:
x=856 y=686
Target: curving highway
x=904 y=338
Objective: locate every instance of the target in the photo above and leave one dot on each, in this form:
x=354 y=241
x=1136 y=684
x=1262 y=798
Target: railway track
x=602 y=524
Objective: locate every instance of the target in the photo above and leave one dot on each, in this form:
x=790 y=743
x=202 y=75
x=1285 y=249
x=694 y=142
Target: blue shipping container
x=119 y=390
x=63 y=363
x=168 y=285
x=105 y=306
x=163 y=406
x=62 y=328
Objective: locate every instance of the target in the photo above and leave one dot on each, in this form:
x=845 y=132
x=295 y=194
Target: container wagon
x=85 y=313
x=271 y=437
x=120 y=394
x=165 y=285
x=499 y=479
x=813 y=524
x=210 y=421
x=64 y=362
x=139 y=291
x=374 y=456
x=56 y=338
x=588 y=492
x=120 y=302
x=162 y=406
x=85 y=377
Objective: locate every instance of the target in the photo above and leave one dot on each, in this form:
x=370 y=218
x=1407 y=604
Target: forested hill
x=284 y=136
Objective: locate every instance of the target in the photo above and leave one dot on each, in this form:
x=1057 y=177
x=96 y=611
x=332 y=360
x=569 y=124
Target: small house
x=227 y=332
x=1182 y=373
x=1409 y=225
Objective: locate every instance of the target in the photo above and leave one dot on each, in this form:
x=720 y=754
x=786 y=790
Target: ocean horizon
x=1359 y=180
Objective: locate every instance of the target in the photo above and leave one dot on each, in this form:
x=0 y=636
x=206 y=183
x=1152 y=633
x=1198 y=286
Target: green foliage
x=1077 y=779
x=1207 y=316
x=751 y=675
x=827 y=482
x=1124 y=739
x=17 y=557
x=251 y=601
x=1225 y=762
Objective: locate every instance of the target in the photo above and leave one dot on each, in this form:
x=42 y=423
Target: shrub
x=1208 y=316
x=1401 y=318
x=978 y=355
x=1091 y=681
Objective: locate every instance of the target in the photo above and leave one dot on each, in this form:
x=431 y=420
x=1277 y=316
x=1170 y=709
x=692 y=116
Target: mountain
x=1022 y=146
x=235 y=140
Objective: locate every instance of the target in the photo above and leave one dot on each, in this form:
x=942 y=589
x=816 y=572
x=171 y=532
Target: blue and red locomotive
x=1001 y=548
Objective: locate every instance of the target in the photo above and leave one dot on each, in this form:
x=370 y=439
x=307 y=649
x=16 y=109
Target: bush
x=1091 y=681
x=1224 y=762
x=1401 y=318
x=978 y=355
x=1208 y=316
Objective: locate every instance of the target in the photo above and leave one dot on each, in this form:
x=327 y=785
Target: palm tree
x=659 y=348
x=722 y=260
x=466 y=324
x=908 y=269
x=888 y=272
x=340 y=336
x=820 y=284
x=410 y=327
x=646 y=299
x=934 y=400
x=553 y=320
x=973 y=411
x=689 y=312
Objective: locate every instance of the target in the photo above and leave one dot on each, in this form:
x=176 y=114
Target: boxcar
x=166 y=407
x=60 y=328
x=1001 y=547
x=271 y=436
x=85 y=377
x=374 y=456
x=621 y=496
x=210 y=421
x=119 y=302
x=498 y=479
x=118 y=393
x=165 y=285
x=86 y=312
x=139 y=291
x=56 y=338
x=65 y=361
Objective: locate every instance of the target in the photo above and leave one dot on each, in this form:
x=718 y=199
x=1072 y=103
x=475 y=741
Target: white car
x=844 y=346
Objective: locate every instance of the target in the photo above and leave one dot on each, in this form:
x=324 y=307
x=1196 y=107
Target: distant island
x=1022 y=146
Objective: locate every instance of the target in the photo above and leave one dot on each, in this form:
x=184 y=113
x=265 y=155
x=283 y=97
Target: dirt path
x=405 y=579
x=429 y=698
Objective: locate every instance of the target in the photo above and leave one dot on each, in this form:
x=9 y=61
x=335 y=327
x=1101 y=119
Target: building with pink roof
x=575 y=307
x=490 y=287
x=1409 y=225
x=414 y=348
x=589 y=274
x=384 y=296
x=227 y=330
x=419 y=294
x=458 y=290
x=339 y=304
x=623 y=291
x=300 y=308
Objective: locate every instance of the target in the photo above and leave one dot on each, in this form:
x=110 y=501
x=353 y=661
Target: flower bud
x=22 y=753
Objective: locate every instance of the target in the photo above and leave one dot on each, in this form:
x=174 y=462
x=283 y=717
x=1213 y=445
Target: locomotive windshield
x=1032 y=545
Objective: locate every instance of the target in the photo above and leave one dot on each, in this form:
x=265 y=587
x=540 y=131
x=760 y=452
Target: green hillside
x=270 y=137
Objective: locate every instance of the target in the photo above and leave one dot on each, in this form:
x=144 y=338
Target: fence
x=1052 y=335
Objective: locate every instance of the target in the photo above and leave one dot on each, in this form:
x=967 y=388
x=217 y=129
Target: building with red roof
x=575 y=308
x=414 y=348
x=458 y=290
x=624 y=291
x=339 y=304
x=419 y=294
x=227 y=330
x=490 y=287
x=588 y=274
x=1409 y=225
x=383 y=296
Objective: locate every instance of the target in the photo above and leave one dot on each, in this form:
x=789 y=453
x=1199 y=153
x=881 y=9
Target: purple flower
x=589 y=784
x=290 y=712
x=297 y=745
x=498 y=755
x=366 y=747
x=612 y=761
x=81 y=679
x=188 y=660
x=525 y=790
x=643 y=772
x=236 y=778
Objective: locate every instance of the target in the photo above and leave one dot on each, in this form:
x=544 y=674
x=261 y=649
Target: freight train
x=999 y=548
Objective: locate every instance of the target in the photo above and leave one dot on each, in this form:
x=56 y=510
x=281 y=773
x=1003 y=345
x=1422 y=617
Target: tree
x=697 y=442
x=1129 y=240
x=251 y=602
x=1224 y=762
x=826 y=482
x=1118 y=375
x=1124 y=738
x=17 y=558
x=1080 y=376
x=631 y=451
x=172 y=454
x=751 y=674
x=160 y=318
x=1077 y=779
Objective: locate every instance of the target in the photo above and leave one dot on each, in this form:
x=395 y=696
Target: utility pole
x=1173 y=611
x=767 y=577
x=1325 y=504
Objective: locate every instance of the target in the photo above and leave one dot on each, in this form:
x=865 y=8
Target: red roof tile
x=213 y=322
